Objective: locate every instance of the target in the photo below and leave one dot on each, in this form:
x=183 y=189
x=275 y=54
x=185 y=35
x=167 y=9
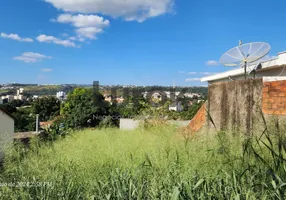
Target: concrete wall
x=130 y=124
x=6 y=124
x=6 y=131
x=179 y=123
x=235 y=105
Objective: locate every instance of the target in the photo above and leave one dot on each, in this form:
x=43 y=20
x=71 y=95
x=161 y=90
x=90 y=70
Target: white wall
x=129 y=124
x=6 y=131
x=259 y=74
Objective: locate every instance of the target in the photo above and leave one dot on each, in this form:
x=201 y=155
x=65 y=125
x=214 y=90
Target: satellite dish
x=244 y=54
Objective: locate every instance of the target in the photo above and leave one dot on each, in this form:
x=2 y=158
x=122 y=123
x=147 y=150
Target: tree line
x=86 y=108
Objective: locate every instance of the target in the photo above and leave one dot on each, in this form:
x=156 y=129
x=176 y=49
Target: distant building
x=20 y=97
x=109 y=99
x=120 y=100
x=8 y=98
x=20 y=91
x=176 y=94
x=192 y=95
x=47 y=124
x=168 y=94
x=176 y=106
x=61 y=95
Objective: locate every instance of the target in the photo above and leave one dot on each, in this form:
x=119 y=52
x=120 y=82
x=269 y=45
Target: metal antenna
x=245 y=54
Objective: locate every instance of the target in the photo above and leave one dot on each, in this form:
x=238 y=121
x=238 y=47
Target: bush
x=56 y=130
x=108 y=122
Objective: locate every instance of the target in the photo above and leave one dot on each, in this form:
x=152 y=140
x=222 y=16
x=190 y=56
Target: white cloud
x=72 y=38
x=88 y=32
x=212 y=63
x=207 y=73
x=46 y=69
x=87 y=26
x=181 y=72
x=15 y=37
x=130 y=10
x=65 y=35
x=83 y=20
x=192 y=73
x=30 y=57
x=192 y=79
x=52 y=39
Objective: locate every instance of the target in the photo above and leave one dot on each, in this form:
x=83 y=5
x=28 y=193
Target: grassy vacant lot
x=156 y=163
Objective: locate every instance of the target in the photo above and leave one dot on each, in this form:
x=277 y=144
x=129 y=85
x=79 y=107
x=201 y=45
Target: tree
x=192 y=111
x=84 y=108
x=132 y=106
x=16 y=103
x=24 y=120
x=46 y=107
x=9 y=108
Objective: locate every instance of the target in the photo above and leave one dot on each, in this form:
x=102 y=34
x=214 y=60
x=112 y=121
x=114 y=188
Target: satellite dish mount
x=245 y=54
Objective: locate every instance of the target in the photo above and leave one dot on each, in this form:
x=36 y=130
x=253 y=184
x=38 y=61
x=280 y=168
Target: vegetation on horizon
x=85 y=108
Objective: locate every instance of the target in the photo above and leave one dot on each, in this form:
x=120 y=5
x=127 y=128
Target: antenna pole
x=37 y=123
x=245 y=64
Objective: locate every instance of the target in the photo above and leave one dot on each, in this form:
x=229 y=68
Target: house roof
x=7 y=113
x=272 y=63
x=48 y=123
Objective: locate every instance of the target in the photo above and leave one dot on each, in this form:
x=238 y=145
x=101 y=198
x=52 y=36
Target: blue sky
x=129 y=41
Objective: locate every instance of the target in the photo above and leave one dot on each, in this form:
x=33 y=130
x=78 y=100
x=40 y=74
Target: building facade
x=273 y=69
x=6 y=131
x=61 y=95
x=237 y=104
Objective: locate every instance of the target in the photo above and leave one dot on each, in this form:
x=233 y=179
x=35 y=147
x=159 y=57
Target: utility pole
x=37 y=123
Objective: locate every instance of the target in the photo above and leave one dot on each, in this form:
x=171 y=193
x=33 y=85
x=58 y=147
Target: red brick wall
x=274 y=98
x=199 y=120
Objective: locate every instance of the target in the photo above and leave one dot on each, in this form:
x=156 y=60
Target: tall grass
x=154 y=163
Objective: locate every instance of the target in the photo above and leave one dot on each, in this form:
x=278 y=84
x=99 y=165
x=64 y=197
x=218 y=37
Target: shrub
x=107 y=122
